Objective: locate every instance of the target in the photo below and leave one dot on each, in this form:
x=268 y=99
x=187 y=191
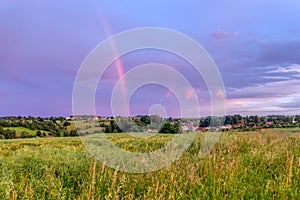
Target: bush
x=38 y=134
x=25 y=134
x=74 y=133
x=66 y=123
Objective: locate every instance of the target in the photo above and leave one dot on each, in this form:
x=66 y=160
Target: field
x=19 y=130
x=253 y=165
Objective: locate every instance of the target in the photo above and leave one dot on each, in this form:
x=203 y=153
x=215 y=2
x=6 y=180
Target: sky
x=255 y=45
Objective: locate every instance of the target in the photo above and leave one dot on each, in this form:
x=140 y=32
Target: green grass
x=257 y=165
x=19 y=130
x=288 y=130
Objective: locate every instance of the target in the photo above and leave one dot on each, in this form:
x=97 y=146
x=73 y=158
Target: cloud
x=270 y=89
x=222 y=34
x=273 y=97
x=250 y=106
x=273 y=89
x=257 y=60
x=278 y=53
x=235 y=34
x=294 y=68
x=189 y=93
x=264 y=106
x=294 y=103
x=219 y=93
x=168 y=93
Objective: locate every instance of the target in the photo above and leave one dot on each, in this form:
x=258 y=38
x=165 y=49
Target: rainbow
x=115 y=51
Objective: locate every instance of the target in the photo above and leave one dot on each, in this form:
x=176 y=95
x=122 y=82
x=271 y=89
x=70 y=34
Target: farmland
x=252 y=165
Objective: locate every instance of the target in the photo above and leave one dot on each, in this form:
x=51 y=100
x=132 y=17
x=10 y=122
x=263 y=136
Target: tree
x=108 y=129
x=243 y=122
x=74 y=133
x=25 y=134
x=256 y=120
x=155 y=119
x=167 y=128
x=228 y=120
x=13 y=134
x=237 y=119
x=66 y=134
x=173 y=128
x=145 y=120
x=113 y=128
x=205 y=122
x=9 y=134
x=66 y=123
x=38 y=134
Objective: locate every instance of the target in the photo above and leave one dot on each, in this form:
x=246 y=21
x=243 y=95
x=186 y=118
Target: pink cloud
x=188 y=94
x=168 y=93
x=191 y=93
x=235 y=34
x=236 y=102
x=219 y=93
x=222 y=34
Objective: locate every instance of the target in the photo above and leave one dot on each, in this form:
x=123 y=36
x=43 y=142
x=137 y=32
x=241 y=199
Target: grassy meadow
x=252 y=165
x=19 y=130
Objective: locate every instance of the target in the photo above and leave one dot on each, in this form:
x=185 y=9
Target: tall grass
x=259 y=165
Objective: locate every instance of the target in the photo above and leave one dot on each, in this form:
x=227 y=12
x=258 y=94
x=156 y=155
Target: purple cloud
x=221 y=34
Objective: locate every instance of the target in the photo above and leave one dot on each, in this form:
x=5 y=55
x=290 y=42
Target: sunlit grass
x=257 y=165
x=19 y=130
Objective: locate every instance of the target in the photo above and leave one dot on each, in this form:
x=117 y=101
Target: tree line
x=248 y=122
x=42 y=127
x=64 y=127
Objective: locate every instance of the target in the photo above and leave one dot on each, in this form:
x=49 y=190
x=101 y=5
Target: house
x=238 y=125
x=151 y=131
x=95 y=118
x=185 y=128
x=269 y=123
x=201 y=129
x=227 y=127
